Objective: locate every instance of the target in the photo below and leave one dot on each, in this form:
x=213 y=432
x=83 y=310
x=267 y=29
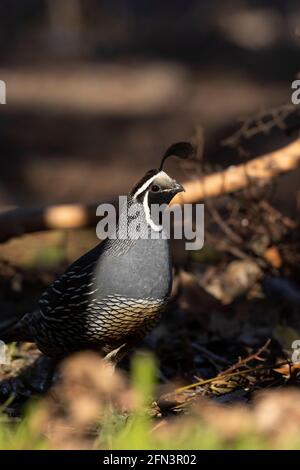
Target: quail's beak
x=177 y=188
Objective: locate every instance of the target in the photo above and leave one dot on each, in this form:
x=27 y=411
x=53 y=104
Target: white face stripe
x=148 y=182
x=156 y=228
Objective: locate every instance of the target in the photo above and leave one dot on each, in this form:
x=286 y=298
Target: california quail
x=114 y=294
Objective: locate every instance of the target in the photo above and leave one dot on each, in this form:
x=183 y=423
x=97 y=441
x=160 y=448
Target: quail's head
x=156 y=185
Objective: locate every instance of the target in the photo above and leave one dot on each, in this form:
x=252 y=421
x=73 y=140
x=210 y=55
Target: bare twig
x=247 y=359
x=234 y=237
x=228 y=376
x=262 y=123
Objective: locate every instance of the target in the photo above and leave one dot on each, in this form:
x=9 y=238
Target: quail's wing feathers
x=71 y=291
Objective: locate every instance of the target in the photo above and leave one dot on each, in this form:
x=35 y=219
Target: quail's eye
x=155 y=188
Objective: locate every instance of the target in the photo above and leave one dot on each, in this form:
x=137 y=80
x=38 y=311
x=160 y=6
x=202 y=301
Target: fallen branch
x=16 y=222
x=19 y=221
x=234 y=178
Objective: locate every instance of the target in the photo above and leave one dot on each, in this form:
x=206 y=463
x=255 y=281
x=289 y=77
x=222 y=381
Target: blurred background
x=96 y=90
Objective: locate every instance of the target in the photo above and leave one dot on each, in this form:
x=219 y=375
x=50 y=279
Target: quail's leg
x=117 y=354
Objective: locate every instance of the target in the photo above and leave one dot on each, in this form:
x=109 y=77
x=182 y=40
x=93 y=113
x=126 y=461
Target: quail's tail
x=15 y=327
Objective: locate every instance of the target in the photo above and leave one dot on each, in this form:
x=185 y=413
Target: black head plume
x=180 y=149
